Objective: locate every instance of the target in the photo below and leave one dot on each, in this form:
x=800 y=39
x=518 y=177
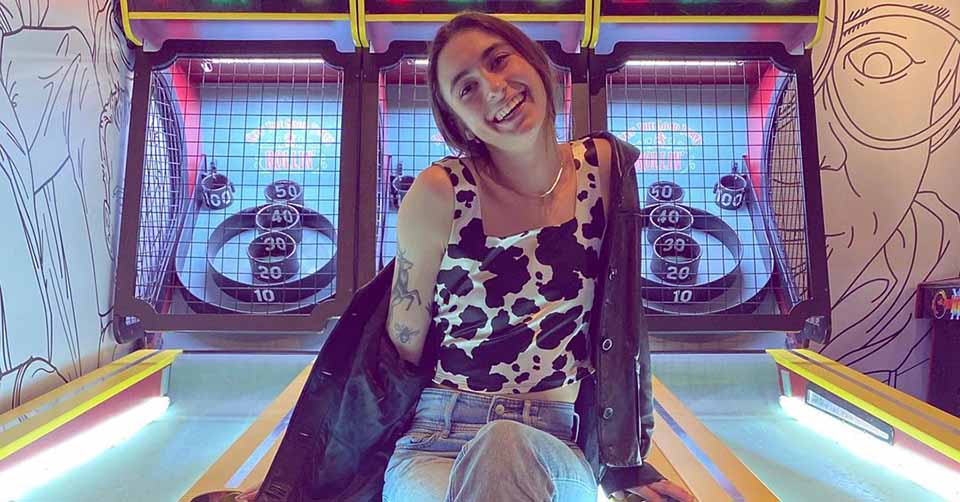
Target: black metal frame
x=178 y=186
x=274 y=7
x=811 y=317
x=357 y=222
x=373 y=63
x=716 y=8
x=498 y=6
x=133 y=316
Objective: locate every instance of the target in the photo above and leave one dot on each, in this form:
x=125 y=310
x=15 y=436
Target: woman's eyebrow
x=484 y=56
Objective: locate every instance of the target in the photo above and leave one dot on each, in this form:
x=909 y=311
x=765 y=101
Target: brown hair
x=445 y=118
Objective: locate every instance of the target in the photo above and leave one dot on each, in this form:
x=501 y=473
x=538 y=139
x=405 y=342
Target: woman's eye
x=465 y=89
x=499 y=60
x=879 y=60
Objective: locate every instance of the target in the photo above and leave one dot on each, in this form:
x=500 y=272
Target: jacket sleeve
x=620 y=478
x=614 y=479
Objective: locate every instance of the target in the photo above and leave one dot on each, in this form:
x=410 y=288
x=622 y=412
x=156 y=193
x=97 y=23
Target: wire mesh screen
x=164 y=191
x=785 y=194
x=410 y=141
x=260 y=147
x=720 y=178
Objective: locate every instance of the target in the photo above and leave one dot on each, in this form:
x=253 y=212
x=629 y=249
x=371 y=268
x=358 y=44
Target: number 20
x=273 y=272
x=678 y=273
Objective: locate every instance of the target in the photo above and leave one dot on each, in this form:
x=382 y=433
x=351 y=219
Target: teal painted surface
x=214 y=398
x=736 y=397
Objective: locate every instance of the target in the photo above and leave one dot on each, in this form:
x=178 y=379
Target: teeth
x=509 y=107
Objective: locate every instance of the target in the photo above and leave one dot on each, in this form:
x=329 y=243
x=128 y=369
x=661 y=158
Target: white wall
x=64 y=99
x=887 y=110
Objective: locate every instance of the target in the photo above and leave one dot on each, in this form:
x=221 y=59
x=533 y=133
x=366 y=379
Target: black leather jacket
x=361 y=395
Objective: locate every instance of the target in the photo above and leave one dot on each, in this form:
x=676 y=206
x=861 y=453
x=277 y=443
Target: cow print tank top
x=513 y=311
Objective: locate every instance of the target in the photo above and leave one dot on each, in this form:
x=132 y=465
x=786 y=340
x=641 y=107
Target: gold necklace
x=544 y=194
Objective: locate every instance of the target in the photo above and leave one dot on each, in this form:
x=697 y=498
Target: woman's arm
x=423 y=229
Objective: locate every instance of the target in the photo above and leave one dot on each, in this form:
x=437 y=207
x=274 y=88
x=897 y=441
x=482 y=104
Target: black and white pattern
x=513 y=310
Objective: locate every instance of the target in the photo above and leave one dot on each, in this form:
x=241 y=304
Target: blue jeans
x=464 y=447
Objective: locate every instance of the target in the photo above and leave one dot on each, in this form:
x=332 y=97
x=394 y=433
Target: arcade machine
x=718 y=96
x=939 y=301
x=245 y=174
x=254 y=206
x=396 y=35
x=238 y=219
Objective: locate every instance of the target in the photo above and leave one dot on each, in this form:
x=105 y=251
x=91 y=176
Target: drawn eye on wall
x=879 y=60
x=883 y=44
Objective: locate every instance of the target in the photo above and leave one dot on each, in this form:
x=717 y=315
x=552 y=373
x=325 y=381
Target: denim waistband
x=448 y=408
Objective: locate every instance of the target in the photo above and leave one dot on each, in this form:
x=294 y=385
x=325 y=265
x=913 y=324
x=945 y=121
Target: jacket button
x=607 y=344
x=499 y=409
x=613 y=272
x=607 y=413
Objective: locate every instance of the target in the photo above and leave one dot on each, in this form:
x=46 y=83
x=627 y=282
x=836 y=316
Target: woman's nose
x=496 y=86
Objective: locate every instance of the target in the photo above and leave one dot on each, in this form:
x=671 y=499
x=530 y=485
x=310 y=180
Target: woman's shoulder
x=600 y=145
x=428 y=206
x=434 y=181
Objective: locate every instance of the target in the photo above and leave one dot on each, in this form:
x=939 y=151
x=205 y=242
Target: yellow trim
x=362 y=19
x=916 y=418
x=670 y=454
x=595 y=33
x=587 y=23
x=709 y=19
x=666 y=466
x=821 y=21
x=884 y=389
x=354 y=22
x=127 y=28
x=38 y=426
x=242 y=16
x=694 y=474
x=218 y=475
x=259 y=473
x=440 y=18
x=72 y=386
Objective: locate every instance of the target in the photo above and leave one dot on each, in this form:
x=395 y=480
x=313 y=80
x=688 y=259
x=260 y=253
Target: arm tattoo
x=401 y=289
x=403 y=332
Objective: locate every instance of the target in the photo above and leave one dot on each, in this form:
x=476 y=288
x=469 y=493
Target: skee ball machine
x=719 y=98
x=255 y=202
x=240 y=193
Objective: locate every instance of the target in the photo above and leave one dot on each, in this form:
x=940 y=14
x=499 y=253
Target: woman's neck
x=529 y=171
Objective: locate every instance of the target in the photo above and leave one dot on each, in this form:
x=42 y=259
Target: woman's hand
x=249 y=495
x=660 y=491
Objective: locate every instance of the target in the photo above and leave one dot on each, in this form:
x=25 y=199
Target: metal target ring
x=273 y=257
x=676 y=258
x=730 y=191
x=280 y=218
x=664 y=218
x=662 y=192
x=664 y=290
x=216 y=191
x=296 y=286
x=284 y=191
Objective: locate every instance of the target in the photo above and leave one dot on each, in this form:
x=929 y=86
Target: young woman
x=497 y=249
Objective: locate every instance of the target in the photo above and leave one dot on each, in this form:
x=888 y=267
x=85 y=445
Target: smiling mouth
x=502 y=117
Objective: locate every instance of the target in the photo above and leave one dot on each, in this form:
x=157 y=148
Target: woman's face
x=497 y=95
